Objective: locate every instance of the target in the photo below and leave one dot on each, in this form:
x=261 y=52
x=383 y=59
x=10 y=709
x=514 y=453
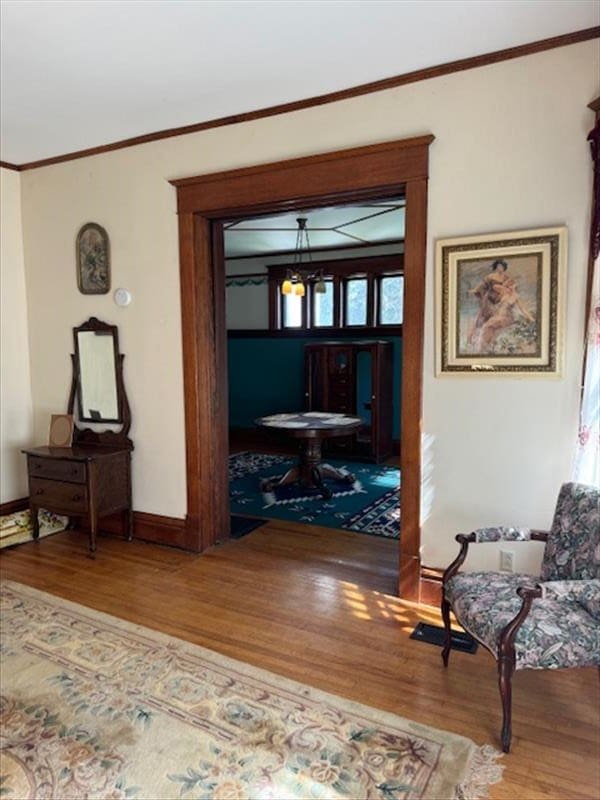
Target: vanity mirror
x=91 y=478
x=97 y=387
x=96 y=354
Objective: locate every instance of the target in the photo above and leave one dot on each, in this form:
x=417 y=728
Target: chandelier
x=297 y=276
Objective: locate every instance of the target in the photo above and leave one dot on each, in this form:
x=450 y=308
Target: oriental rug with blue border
x=370 y=505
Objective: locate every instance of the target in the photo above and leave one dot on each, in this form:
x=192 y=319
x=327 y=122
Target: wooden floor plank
x=317 y=605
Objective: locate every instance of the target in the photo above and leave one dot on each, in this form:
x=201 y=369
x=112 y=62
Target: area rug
x=17 y=528
x=370 y=505
x=93 y=706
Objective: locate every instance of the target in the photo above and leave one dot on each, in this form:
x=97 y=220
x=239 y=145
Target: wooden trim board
x=14 y=506
x=430 y=586
x=150 y=528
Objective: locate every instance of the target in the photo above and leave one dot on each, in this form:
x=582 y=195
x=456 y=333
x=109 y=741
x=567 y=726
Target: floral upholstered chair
x=528 y=622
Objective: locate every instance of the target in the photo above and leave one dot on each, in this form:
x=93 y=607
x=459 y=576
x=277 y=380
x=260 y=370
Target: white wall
x=510 y=152
x=16 y=414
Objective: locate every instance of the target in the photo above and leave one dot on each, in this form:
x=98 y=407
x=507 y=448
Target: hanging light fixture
x=296 y=276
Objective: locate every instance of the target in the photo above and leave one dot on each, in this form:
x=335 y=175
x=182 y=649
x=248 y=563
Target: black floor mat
x=240 y=526
x=434 y=634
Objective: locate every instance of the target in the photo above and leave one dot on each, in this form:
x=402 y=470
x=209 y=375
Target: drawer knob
x=74 y=471
x=40 y=491
x=76 y=497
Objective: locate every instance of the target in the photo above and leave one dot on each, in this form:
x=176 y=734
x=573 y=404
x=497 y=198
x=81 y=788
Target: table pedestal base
x=309 y=472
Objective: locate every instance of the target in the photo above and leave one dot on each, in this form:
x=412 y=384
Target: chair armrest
x=506 y=642
x=497 y=534
x=505 y=534
x=464 y=542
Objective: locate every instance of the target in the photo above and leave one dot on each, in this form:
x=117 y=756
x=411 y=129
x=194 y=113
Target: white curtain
x=587 y=456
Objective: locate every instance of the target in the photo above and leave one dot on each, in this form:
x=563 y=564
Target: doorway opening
x=347 y=176
x=314 y=340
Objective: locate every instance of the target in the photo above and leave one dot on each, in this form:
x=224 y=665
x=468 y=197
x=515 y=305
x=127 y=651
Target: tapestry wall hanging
x=93 y=260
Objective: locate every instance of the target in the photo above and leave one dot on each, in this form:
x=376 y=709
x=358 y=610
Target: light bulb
x=299 y=289
x=287 y=287
x=320 y=287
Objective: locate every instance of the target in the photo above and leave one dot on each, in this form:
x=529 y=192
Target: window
x=292 y=311
x=323 y=316
x=355 y=306
x=359 y=293
x=391 y=299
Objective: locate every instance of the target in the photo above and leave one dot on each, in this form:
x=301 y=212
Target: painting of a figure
x=498 y=306
x=93 y=264
x=499 y=301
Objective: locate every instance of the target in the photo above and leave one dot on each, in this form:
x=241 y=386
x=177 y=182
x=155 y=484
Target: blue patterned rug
x=370 y=505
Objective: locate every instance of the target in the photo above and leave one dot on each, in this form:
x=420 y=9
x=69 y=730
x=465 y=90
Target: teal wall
x=266 y=376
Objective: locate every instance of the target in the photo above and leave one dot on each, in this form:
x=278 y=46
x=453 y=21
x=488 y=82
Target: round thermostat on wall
x=122 y=297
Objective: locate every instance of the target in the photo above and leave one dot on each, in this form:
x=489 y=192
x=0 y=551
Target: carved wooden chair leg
x=448 y=630
x=505 y=673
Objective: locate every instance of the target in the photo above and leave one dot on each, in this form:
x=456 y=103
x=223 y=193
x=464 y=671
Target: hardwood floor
x=317 y=605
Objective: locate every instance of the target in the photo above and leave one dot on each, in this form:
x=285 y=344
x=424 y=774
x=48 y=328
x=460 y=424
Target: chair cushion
x=572 y=551
x=555 y=634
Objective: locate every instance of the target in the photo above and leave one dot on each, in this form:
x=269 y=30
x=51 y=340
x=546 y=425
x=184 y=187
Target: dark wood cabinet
x=353 y=378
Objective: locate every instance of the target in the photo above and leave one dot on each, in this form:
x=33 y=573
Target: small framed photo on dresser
x=61 y=430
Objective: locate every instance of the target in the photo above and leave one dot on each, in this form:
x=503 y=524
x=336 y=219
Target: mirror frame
x=87 y=436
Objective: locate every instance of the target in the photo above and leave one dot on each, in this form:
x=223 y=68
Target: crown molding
x=366 y=88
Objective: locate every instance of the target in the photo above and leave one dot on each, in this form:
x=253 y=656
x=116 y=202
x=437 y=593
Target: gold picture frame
x=499 y=303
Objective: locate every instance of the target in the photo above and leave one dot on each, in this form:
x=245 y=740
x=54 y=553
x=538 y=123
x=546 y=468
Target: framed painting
x=93 y=260
x=499 y=301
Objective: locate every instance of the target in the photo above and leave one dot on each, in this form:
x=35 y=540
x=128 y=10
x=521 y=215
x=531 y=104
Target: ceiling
x=76 y=74
x=370 y=223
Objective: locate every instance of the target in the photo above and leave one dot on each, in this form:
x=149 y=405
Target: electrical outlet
x=507 y=561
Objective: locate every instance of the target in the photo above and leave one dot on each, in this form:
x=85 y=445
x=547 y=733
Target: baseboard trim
x=14 y=506
x=150 y=528
x=430 y=586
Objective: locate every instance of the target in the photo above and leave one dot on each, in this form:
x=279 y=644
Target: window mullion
x=337 y=302
x=370 y=299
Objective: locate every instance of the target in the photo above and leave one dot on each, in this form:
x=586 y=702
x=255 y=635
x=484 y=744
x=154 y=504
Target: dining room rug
x=93 y=706
x=17 y=528
x=370 y=505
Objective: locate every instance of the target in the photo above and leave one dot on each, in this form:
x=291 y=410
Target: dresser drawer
x=57 y=495
x=72 y=471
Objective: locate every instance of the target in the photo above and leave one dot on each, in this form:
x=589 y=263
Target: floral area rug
x=17 y=528
x=93 y=706
x=370 y=505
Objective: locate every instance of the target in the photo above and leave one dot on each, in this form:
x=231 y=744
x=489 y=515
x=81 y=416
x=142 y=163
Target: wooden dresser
x=80 y=481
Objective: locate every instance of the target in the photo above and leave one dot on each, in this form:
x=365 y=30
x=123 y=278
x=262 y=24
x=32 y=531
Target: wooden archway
x=345 y=176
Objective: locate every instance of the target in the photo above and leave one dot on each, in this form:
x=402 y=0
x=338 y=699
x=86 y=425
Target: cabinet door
x=340 y=380
x=314 y=378
x=382 y=409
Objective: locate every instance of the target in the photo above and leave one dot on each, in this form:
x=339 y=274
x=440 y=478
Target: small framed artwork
x=61 y=430
x=93 y=260
x=499 y=302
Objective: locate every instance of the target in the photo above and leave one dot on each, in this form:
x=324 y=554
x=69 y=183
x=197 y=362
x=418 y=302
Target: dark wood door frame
x=344 y=176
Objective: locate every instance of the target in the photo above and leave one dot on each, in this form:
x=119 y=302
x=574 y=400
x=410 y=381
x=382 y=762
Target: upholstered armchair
x=527 y=622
